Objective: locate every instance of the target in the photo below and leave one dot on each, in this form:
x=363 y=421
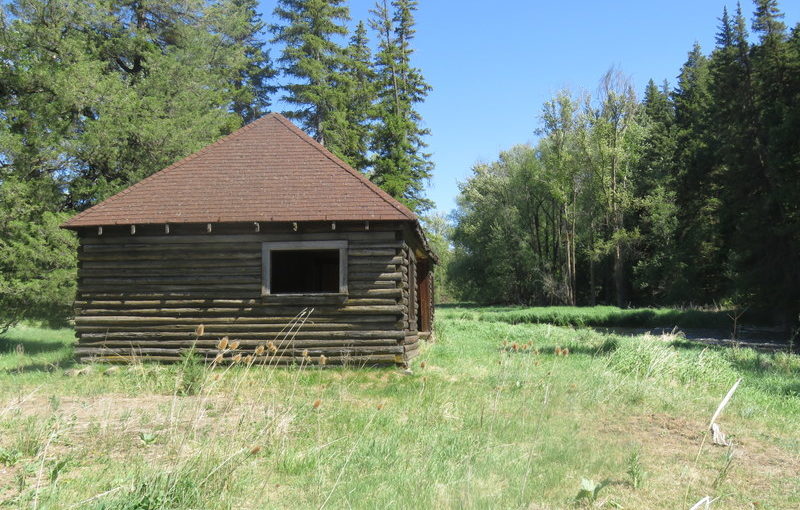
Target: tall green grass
x=596 y=316
x=490 y=417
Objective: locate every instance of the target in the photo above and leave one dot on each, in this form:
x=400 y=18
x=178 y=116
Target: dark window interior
x=304 y=271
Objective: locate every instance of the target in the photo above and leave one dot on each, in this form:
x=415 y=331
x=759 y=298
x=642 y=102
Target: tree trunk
x=592 y=297
x=619 y=277
x=573 y=283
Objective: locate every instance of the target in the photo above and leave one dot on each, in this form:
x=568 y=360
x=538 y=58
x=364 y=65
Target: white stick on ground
x=703 y=503
x=724 y=402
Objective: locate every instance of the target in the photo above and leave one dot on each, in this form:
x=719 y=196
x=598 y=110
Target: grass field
x=490 y=417
x=599 y=316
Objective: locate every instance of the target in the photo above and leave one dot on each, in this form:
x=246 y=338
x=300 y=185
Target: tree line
x=689 y=196
x=95 y=96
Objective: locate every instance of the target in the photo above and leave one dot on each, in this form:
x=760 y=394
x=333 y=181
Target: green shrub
x=37 y=266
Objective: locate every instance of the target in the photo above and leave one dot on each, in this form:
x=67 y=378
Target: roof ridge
x=405 y=211
x=100 y=206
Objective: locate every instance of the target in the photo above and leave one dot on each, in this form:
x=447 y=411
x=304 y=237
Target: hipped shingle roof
x=269 y=170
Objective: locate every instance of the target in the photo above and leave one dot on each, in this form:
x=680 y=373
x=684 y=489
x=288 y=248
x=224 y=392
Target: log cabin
x=264 y=238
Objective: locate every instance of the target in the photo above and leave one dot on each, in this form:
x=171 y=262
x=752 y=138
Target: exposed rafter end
x=366 y=225
x=333 y=225
x=208 y=228
x=99 y=231
x=257 y=225
x=166 y=228
x=133 y=229
x=294 y=226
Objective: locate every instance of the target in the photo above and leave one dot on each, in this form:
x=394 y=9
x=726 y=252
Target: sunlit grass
x=493 y=415
x=598 y=316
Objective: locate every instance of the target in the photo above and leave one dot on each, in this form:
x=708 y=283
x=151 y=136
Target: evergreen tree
x=240 y=24
x=701 y=256
x=767 y=239
x=357 y=79
x=400 y=164
x=656 y=210
x=312 y=58
x=175 y=79
x=94 y=97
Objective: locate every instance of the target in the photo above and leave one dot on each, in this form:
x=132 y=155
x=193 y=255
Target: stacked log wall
x=409 y=303
x=144 y=297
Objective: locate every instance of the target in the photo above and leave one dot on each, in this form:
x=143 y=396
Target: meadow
x=496 y=412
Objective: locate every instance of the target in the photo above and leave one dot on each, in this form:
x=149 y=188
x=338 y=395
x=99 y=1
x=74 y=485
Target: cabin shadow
x=9 y=344
x=64 y=363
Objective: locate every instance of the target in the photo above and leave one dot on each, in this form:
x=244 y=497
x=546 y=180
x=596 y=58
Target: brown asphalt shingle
x=269 y=170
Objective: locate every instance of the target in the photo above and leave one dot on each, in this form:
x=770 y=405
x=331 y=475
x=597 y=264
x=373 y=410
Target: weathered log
x=376 y=261
x=163 y=247
x=379 y=311
x=410 y=339
x=207 y=255
x=166 y=264
x=269 y=335
x=375 y=292
x=229 y=329
x=368 y=285
x=246 y=346
x=350 y=360
x=358 y=244
x=141 y=288
x=371 y=252
x=311 y=351
x=194 y=294
x=370 y=301
x=183 y=272
x=224 y=280
x=370 y=276
x=167 y=316
x=409 y=355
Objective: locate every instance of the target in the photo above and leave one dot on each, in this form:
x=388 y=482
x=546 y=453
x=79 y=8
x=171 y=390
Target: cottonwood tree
x=559 y=156
x=611 y=151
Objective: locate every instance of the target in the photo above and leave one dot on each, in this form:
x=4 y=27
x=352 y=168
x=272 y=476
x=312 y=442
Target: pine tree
x=767 y=239
x=94 y=97
x=240 y=24
x=657 y=160
x=311 y=59
x=358 y=81
x=701 y=253
x=400 y=164
x=656 y=209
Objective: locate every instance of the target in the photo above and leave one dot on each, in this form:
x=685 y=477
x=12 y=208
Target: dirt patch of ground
x=671 y=451
x=118 y=425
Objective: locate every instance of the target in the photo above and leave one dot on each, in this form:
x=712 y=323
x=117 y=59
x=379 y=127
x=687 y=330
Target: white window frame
x=266 y=262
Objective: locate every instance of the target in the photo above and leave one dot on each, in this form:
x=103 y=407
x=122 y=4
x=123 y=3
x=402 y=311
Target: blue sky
x=493 y=64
